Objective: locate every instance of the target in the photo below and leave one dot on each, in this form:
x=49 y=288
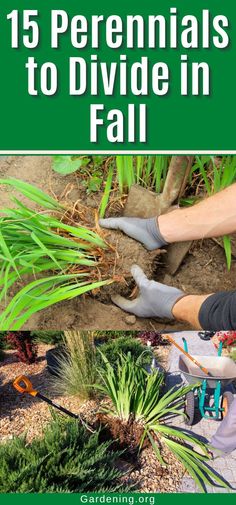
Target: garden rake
x=23 y=385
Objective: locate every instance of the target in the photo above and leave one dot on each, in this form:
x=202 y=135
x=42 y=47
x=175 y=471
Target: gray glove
x=145 y=231
x=154 y=300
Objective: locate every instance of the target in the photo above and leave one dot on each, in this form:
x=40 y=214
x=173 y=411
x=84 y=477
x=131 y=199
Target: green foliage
x=114 y=347
x=77 y=366
x=233 y=355
x=4 y=344
x=106 y=194
x=66 y=165
x=105 y=335
x=67 y=459
x=216 y=178
x=148 y=171
x=90 y=169
x=48 y=337
x=34 y=243
x=138 y=396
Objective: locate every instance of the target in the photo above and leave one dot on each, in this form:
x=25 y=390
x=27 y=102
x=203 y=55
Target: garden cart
x=211 y=390
x=23 y=385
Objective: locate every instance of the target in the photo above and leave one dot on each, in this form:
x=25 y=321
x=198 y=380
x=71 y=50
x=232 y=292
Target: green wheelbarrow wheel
x=189 y=409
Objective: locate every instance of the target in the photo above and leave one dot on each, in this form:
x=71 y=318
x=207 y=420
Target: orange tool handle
x=187 y=354
x=23 y=385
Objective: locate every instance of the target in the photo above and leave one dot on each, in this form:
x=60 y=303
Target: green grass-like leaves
x=34 y=243
x=135 y=394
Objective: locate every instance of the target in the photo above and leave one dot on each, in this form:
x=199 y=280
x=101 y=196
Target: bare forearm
x=209 y=312
x=213 y=217
x=187 y=309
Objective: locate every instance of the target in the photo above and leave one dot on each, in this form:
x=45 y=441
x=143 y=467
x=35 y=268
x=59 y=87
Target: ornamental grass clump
x=66 y=459
x=139 y=405
x=76 y=365
x=36 y=243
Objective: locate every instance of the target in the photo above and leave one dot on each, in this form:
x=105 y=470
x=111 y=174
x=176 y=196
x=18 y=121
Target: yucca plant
x=32 y=243
x=67 y=459
x=137 y=398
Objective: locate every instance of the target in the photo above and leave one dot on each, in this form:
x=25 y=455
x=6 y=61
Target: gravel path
x=226 y=466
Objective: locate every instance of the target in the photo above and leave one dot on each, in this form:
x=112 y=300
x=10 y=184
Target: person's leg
x=224 y=439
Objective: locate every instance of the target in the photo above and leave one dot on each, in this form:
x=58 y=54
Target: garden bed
x=23 y=414
x=95 y=311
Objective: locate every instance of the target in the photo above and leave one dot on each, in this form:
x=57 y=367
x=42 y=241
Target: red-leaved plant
x=152 y=338
x=24 y=344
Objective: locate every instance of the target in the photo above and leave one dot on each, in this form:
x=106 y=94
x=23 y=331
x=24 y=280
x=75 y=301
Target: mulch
x=22 y=414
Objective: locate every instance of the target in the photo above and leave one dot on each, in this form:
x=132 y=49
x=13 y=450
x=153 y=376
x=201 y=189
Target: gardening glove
x=154 y=300
x=145 y=231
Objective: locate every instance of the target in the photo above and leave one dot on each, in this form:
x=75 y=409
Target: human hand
x=154 y=299
x=145 y=231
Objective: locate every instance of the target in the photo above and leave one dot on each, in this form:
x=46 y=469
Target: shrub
x=66 y=460
x=48 y=337
x=113 y=348
x=104 y=336
x=153 y=337
x=76 y=365
x=23 y=342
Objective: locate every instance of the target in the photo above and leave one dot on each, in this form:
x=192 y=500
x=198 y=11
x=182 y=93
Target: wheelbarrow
x=211 y=393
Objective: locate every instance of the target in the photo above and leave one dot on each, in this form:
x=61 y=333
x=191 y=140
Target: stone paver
x=226 y=466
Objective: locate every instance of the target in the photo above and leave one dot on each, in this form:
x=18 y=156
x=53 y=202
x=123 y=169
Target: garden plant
x=208 y=175
x=77 y=361
x=38 y=243
x=67 y=459
x=23 y=342
x=140 y=405
x=67 y=259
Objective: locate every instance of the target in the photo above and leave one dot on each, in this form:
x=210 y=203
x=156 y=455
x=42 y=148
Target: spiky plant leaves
x=138 y=396
x=66 y=459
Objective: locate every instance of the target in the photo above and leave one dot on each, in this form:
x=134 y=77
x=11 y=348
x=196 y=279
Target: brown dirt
x=151 y=477
x=202 y=271
x=90 y=311
x=128 y=435
x=118 y=262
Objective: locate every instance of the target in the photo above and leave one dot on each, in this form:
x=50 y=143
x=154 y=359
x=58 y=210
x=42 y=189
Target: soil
x=127 y=435
x=95 y=311
x=23 y=414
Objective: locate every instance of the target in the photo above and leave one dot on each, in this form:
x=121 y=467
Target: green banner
x=156 y=76
x=116 y=498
